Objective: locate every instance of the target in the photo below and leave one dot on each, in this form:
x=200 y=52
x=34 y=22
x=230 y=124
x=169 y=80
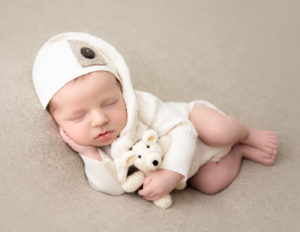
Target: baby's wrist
x=174 y=175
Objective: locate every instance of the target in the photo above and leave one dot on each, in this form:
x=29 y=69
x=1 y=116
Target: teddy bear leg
x=181 y=185
x=164 y=202
x=133 y=182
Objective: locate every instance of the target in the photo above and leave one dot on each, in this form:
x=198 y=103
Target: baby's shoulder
x=144 y=95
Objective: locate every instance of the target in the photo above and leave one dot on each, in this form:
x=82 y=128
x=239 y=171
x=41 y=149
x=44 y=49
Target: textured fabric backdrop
x=243 y=56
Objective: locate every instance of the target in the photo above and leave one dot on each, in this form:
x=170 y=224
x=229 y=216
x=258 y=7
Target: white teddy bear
x=146 y=155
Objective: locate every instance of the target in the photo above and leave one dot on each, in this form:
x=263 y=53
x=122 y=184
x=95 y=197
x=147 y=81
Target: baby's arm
x=102 y=176
x=159 y=183
x=88 y=151
x=174 y=167
x=176 y=163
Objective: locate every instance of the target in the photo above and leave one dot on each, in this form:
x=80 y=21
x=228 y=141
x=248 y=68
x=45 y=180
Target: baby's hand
x=159 y=183
x=89 y=151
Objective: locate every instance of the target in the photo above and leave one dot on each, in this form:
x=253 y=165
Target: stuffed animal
x=147 y=155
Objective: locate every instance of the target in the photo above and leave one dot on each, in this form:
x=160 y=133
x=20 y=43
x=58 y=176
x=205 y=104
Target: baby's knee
x=218 y=133
x=213 y=128
x=206 y=185
x=210 y=190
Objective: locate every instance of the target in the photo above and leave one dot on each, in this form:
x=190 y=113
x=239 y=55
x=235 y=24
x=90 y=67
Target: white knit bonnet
x=67 y=56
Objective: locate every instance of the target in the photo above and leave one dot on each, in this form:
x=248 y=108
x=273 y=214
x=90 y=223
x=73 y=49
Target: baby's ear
x=150 y=136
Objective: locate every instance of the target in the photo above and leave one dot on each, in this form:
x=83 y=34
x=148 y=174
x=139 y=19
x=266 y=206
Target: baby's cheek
x=118 y=118
x=79 y=134
x=123 y=118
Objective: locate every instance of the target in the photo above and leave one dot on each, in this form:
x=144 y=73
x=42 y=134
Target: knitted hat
x=67 y=56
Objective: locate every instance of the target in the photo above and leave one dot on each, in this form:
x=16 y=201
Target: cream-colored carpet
x=242 y=56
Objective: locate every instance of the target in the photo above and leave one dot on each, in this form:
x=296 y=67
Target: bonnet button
x=87 y=52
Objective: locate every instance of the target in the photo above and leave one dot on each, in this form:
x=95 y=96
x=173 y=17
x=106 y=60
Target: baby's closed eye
x=110 y=102
x=77 y=116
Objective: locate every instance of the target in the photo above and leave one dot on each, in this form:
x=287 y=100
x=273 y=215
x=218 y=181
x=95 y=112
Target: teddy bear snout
x=153 y=160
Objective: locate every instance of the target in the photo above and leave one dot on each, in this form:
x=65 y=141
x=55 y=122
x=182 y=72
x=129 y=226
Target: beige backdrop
x=243 y=56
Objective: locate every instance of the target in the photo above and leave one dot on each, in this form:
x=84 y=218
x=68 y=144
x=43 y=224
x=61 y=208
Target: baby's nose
x=98 y=118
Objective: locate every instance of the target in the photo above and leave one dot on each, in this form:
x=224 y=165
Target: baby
x=85 y=85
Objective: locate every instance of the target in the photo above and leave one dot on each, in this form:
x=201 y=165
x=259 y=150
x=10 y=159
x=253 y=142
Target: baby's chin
x=94 y=143
x=102 y=144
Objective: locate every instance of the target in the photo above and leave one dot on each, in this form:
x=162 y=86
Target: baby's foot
x=257 y=155
x=266 y=141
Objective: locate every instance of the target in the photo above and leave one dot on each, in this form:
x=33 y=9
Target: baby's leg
x=215 y=129
x=213 y=177
x=218 y=130
x=265 y=141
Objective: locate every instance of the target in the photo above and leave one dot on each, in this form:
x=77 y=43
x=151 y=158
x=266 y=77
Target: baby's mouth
x=105 y=136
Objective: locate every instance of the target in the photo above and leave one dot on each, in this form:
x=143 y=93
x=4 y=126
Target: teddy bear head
x=146 y=155
x=148 y=152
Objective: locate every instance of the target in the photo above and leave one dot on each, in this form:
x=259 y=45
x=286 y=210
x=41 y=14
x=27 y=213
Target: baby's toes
x=269 y=160
x=272 y=133
x=273 y=138
x=275 y=151
x=272 y=146
x=269 y=150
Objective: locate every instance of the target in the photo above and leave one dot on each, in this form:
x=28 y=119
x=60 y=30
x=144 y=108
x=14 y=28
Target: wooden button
x=87 y=52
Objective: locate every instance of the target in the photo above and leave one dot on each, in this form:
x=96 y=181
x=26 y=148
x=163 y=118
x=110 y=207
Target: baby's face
x=91 y=109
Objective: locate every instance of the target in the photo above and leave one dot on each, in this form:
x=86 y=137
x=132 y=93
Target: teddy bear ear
x=165 y=143
x=123 y=163
x=150 y=136
x=130 y=160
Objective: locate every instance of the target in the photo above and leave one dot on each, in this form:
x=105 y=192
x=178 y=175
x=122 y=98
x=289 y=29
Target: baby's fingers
x=63 y=135
x=145 y=191
x=148 y=195
x=68 y=140
x=147 y=181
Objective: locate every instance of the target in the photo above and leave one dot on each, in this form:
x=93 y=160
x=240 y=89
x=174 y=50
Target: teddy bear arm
x=164 y=202
x=133 y=182
x=181 y=185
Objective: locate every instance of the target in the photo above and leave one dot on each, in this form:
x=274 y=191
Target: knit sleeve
x=182 y=149
x=102 y=175
x=157 y=115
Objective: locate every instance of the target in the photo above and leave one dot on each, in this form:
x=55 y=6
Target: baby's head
x=80 y=80
x=90 y=109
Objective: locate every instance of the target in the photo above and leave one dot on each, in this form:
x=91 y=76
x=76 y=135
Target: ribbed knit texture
x=182 y=149
x=164 y=120
x=102 y=175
